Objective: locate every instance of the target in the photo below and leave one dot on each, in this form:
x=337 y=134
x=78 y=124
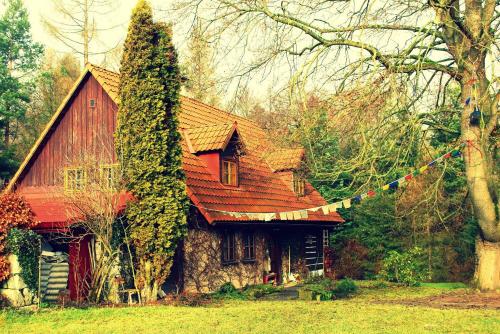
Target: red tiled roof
x=209 y=138
x=285 y=158
x=259 y=190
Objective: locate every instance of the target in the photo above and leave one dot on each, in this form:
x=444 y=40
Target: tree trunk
x=487 y=275
x=479 y=176
x=7 y=133
x=149 y=291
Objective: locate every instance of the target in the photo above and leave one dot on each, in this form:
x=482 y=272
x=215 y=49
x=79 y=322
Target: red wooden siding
x=81 y=131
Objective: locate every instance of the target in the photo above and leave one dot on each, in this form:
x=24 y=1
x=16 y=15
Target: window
x=248 y=246
x=298 y=184
x=230 y=172
x=228 y=247
x=74 y=179
x=92 y=103
x=109 y=176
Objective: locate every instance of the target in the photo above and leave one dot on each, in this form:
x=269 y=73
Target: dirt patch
x=462 y=300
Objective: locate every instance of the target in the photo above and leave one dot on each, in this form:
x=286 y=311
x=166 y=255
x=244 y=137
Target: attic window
x=229 y=172
x=298 y=184
x=92 y=103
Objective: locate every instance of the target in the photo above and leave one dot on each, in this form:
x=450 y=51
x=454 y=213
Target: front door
x=275 y=255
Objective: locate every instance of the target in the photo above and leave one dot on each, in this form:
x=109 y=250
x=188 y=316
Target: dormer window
x=229 y=172
x=299 y=184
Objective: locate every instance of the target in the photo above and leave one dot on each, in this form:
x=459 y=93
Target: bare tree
x=78 y=28
x=420 y=41
x=93 y=198
x=202 y=83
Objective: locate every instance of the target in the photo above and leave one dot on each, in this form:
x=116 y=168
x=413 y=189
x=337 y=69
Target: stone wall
x=14 y=288
x=203 y=270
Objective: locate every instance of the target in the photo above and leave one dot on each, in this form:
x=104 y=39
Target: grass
x=365 y=313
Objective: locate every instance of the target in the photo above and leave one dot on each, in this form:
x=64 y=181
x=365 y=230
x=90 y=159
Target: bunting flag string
x=345 y=203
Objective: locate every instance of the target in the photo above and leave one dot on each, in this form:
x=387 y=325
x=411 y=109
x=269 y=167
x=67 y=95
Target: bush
x=319 y=287
x=259 y=291
x=406 y=267
x=14 y=212
x=228 y=291
x=351 y=260
x=25 y=244
x=345 y=288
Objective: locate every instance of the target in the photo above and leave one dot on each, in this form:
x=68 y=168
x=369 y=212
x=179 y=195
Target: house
x=232 y=168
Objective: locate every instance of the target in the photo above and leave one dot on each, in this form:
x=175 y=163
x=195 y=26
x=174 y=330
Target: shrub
x=228 y=291
x=259 y=291
x=14 y=212
x=25 y=244
x=406 y=267
x=345 y=288
x=319 y=287
x=351 y=260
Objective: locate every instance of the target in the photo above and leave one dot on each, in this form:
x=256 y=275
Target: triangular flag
x=315 y=209
x=447 y=155
x=332 y=207
x=297 y=215
x=325 y=209
x=455 y=153
x=371 y=193
x=408 y=177
x=347 y=203
x=356 y=199
x=467 y=101
x=432 y=163
x=269 y=217
x=363 y=196
x=385 y=187
x=394 y=184
x=303 y=214
x=283 y=215
x=423 y=168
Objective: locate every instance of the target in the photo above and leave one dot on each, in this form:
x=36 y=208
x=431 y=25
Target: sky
x=117 y=20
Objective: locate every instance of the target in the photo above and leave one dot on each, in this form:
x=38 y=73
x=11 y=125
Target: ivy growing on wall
x=25 y=244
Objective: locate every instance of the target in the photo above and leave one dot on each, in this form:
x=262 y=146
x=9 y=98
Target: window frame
x=113 y=168
x=228 y=248
x=248 y=244
x=235 y=173
x=70 y=186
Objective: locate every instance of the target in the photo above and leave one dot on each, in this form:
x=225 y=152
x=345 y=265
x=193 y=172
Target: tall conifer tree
x=148 y=145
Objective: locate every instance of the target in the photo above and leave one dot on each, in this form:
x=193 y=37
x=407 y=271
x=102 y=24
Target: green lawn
x=369 y=312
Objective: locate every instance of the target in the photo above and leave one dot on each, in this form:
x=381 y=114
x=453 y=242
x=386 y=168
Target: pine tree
x=19 y=56
x=148 y=145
